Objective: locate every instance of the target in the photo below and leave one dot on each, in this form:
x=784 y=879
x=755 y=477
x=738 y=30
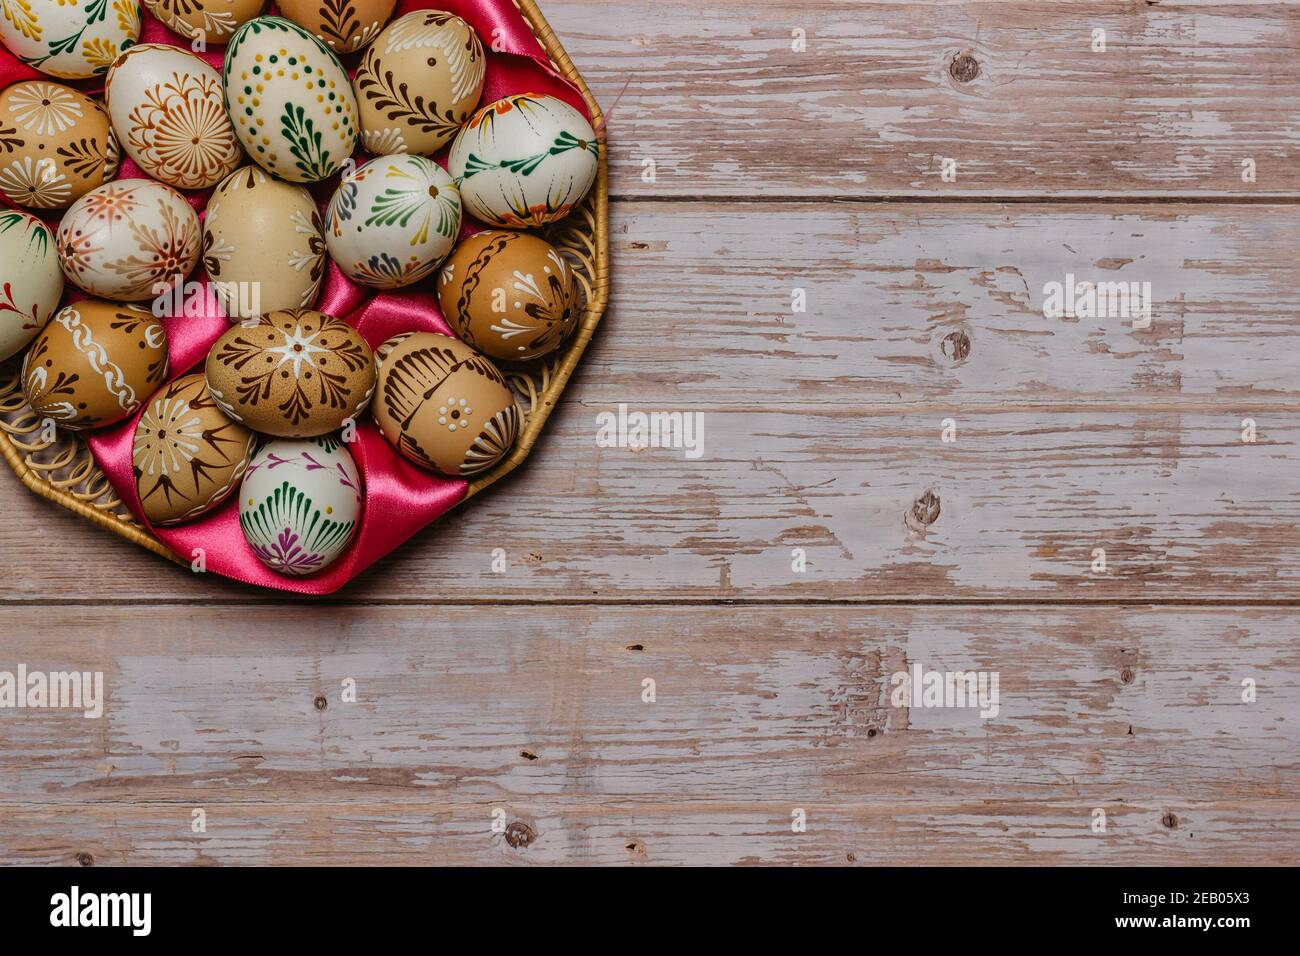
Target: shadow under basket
x=60 y=467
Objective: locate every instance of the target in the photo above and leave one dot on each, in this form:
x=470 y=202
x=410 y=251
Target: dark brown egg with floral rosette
x=296 y=373
x=443 y=405
x=188 y=455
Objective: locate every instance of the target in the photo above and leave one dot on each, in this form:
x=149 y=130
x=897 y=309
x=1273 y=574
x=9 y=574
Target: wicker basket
x=62 y=469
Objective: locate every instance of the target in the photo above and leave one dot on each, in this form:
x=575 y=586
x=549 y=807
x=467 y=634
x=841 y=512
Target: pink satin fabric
x=400 y=498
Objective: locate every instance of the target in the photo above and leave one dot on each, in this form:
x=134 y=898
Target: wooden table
x=766 y=154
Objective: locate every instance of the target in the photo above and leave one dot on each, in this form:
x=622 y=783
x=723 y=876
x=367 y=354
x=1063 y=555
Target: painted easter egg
x=169 y=116
x=56 y=144
x=418 y=83
x=343 y=25
x=300 y=504
x=524 y=160
x=392 y=220
x=443 y=405
x=213 y=21
x=263 y=245
x=187 y=455
x=122 y=239
x=293 y=374
x=510 y=295
x=94 y=363
x=290 y=100
x=72 y=39
x=31 y=281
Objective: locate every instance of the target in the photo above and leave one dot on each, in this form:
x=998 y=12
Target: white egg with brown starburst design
x=169 y=116
x=392 y=220
x=72 y=39
x=121 y=240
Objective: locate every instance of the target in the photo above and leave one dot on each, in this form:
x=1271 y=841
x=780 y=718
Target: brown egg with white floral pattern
x=94 y=364
x=187 y=456
x=210 y=20
x=510 y=295
x=56 y=144
x=342 y=25
x=444 y=406
x=293 y=374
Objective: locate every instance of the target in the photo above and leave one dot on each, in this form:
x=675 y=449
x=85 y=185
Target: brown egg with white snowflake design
x=188 y=456
x=444 y=406
x=56 y=144
x=510 y=295
x=94 y=363
x=295 y=373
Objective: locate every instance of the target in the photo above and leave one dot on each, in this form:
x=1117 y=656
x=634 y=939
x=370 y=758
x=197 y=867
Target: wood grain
x=722 y=105
x=757 y=711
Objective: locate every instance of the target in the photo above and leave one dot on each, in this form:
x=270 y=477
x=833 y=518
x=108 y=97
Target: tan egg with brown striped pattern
x=211 y=20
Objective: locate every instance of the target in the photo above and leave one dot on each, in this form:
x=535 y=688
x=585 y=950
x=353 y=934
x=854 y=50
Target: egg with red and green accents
x=31 y=282
x=72 y=39
x=300 y=504
x=290 y=100
x=392 y=220
x=524 y=160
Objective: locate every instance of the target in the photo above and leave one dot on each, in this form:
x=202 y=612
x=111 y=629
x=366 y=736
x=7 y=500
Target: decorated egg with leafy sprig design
x=72 y=39
x=343 y=25
x=213 y=21
x=56 y=144
x=32 y=282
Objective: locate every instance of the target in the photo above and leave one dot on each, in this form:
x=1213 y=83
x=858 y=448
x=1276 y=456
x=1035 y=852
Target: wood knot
x=636 y=848
x=636 y=647
x=964 y=67
x=520 y=834
x=1126 y=675
x=320 y=702
x=1170 y=819
x=85 y=859
x=925 y=509
x=528 y=755
x=955 y=346
x=851 y=857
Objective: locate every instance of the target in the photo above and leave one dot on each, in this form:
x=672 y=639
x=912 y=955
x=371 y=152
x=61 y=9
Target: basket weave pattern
x=58 y=465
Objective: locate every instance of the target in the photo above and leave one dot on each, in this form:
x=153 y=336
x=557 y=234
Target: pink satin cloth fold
x=400 y=498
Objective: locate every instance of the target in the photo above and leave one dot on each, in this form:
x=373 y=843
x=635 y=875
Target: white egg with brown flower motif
x=169 y=116
x=290 y=100
x=213 y=21
x=56 y=144
x=392 y=220
x=31 y=281
x=126 y=237
x=72 y=39
x=524 y=160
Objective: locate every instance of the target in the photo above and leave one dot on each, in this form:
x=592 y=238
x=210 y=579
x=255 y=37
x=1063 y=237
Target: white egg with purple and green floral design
x=524 y=160
x=31 y=281
x=392 y=220
x=72 y=39
x=290 y=100
x=300 y=504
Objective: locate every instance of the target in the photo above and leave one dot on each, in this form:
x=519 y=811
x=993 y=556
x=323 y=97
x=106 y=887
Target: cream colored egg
x=169 y=116
x=121 y=240
x=72 y=39
x=94 y=363
x=392 y=220
x=418 y=82
x=211 y=20
x=290 y=100
x=300 y=504
x=524 y=160
x=56 y=144
x=31 y=281
x=343 y=25
x=263 y=246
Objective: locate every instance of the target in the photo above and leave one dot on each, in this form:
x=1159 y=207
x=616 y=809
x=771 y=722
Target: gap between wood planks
x=631 y=603
x=972 y=199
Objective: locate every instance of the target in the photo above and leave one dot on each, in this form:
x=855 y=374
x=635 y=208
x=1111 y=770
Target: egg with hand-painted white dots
x=289 y=99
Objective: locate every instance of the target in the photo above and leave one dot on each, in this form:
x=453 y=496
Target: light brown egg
x=213 y=20
x=94 y=363
x=293 y=374
x=56 y=144
x=443 y=405
x=188 y=456
x=510 y=295
x=263 y=244
x=418 y=82
x=343 y=25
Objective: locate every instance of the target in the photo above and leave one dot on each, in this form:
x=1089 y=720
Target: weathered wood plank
x=757 y=711
x=723 y=105
x=821 y=429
